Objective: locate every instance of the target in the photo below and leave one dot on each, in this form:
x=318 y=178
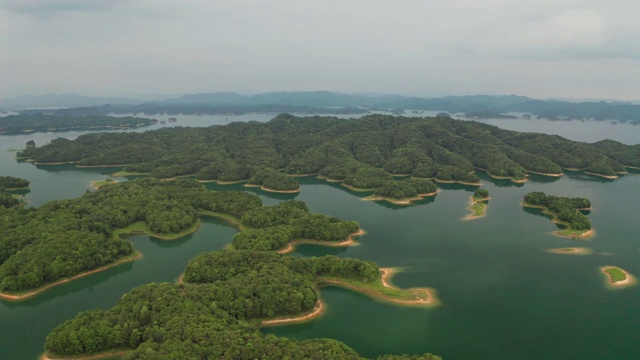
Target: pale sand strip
x=46 y=355
x=63 y=281
x=316 y=312
x=472 y=216
x=628 y=282
x=406 y=201
x=273 y=190
x=350 y=241
x=571 y=251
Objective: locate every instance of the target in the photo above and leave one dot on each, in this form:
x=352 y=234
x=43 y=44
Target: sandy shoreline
x=544 y=174
x=473 y=215
x=502 y=177
x=454 y=182
x=273 y=190
x=318 y=309
x=45 y=356
x=99 y=166
x=423 y=296
x=629 y=281
x=570 y=251
x=554 y=219
x=406 y=201
x=610 y=177
x=40 y=290
x=350 y=241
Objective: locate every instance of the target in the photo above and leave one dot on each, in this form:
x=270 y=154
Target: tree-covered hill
x=216 y=314
x=64 y=238
x=361 y=152
x=41 y=122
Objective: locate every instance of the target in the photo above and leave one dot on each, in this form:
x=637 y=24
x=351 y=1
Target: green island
x=564 y=211
x=617 y=278
x=571 y=251
x=404 y=192
x=63 y=239
x=361 y=153
x=479 y=203
x=13 y=183
x=40 y=122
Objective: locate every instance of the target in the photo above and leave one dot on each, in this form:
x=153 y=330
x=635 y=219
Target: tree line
x=564 y=208
x=42 y=122
x=10 y=182
x=63 y=238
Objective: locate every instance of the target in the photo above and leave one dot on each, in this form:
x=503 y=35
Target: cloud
x=51 y=7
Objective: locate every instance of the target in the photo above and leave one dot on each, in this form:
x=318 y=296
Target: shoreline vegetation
x=498 y=177
x=478 y=207
x=100 y=183
x=405 y=201
x=263 y=188
x=568 y=231
x=18 y=296
x=350 y=241
x=47 y=356
x=382 y=289
x=386 y=291
x=617 y=278
x=581 y=251
x=564 y=211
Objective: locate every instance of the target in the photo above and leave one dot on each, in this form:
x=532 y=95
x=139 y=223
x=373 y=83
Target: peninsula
x=564 y=211
x=225 y=296
x=16 y=124
x=479 y=204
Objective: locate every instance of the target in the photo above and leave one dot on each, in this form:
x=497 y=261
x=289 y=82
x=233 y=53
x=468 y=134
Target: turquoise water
x=503 y=296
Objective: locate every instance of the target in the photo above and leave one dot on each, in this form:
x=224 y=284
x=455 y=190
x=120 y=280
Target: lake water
x=503 y=296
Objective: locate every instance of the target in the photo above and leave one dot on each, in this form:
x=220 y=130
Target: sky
x=538 y=48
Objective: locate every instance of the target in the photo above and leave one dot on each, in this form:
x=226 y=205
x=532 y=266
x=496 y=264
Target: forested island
x=62 y=239
x=13 y=183
x=362 y=153
x=41 y=122
x=563 y=210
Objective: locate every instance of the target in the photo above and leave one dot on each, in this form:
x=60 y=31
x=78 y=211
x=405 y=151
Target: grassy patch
x=616 y=274
x=142 y=228
x=375 y=288
x=478 y=208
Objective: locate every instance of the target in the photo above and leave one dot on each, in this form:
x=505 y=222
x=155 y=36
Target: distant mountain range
x=59 y=101
x=475 y=106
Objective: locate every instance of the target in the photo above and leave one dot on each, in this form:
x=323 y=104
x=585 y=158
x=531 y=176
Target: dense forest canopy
x=64 y=238
x=362 y=152
x=213 y=315
x=10 y=182
x=41 y=122
x=564 y=208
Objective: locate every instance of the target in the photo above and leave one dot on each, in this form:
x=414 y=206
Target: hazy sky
x=542 y=48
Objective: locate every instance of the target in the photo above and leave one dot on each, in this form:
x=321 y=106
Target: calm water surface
x=503 y=296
